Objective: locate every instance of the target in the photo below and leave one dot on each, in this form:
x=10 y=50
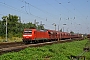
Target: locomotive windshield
x=28 y=32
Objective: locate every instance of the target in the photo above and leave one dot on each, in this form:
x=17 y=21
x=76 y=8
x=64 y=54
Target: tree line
x=14 y=26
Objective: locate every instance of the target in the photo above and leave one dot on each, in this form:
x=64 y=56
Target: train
x=88 y=35
x=34 y=35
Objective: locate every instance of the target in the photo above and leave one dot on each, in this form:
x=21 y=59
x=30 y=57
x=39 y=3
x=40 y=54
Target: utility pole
x=63 y=27
x=41 y=25
x=35 y=21
x=58 y=27
x=19 y=19
x=6 y=29
x=54 y=25
x=59 y=24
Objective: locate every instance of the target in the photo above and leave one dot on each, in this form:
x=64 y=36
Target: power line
x=13 y=8
x=69 y=10
x=20 y=11
x=65 y=7
x=36 y=7
x=39 y=9
x=75 y=8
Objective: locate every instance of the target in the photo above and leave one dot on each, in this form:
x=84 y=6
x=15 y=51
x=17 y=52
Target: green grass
x=49 y=52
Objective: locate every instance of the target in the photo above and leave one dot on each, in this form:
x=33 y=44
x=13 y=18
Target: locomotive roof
x=36 y=29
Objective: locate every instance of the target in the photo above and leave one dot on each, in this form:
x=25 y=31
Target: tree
x=14 y=26
x=72 y=32
x=12 y=21
x=2 y=29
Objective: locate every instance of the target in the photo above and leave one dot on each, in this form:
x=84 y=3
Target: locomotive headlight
x=27 y=35
x=24 y=35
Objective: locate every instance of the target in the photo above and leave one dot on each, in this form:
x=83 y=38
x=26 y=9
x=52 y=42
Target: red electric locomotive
x=32 y=35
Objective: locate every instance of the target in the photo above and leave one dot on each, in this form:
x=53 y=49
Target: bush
x=49 y=52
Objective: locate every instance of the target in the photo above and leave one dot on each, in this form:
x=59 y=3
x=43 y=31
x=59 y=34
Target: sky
x=69 y=15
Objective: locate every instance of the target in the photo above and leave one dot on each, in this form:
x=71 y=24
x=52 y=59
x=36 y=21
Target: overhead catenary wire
x=76 y=8
x=45 y=12
x=68 y=18
x=20 y=11
x=37 y=8
x=64 y=7
x=56 y=10
x=26 y=9
x=69 y=9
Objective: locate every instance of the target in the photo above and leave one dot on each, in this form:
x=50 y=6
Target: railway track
x=17 y=46
x=10 y=44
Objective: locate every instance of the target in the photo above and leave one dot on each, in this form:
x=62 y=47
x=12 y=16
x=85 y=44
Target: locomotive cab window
x=28 y=32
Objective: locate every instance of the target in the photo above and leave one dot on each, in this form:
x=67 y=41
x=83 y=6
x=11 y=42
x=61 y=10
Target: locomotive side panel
x=40 y=35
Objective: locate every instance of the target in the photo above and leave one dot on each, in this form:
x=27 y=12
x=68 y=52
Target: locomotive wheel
x=26 y=42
